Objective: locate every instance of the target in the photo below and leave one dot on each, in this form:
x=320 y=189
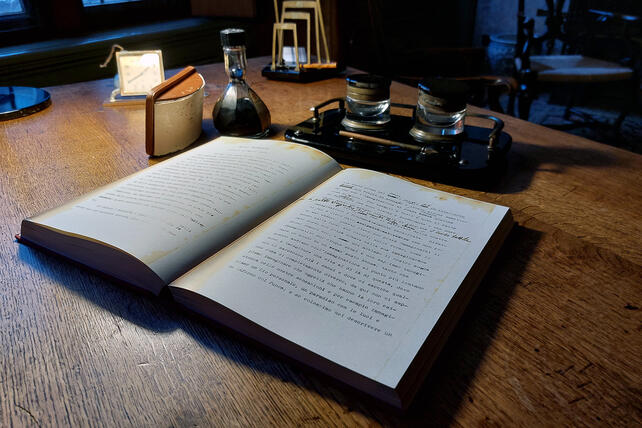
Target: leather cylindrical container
x=177 y=116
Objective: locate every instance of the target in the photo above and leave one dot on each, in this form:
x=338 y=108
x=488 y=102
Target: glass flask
x=239 y=111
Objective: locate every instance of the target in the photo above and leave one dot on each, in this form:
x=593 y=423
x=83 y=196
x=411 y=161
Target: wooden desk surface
x=552 y=337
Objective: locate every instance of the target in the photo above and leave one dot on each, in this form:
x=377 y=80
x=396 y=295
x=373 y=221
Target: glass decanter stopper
x=239 y=111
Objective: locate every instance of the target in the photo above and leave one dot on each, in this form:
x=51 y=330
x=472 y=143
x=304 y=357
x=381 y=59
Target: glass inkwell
x=239 y=111
x=367 y=103
x=441 y=110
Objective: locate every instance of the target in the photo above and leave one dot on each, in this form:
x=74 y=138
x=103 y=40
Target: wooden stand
x=309 y=71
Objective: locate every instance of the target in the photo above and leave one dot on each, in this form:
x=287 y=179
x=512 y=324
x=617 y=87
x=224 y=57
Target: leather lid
x=185 y=87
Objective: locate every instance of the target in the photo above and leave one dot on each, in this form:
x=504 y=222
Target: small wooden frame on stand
x=299 y=66
x=174 y=113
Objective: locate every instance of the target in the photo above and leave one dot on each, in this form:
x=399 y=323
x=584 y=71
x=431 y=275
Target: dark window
x=108 y=14
x=88 y=3
x=18 y=20
x=11 y=7
x=25 y=21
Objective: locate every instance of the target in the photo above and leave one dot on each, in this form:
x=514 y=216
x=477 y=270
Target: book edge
x=419 y=368
x=220 y=314
x=85 y=259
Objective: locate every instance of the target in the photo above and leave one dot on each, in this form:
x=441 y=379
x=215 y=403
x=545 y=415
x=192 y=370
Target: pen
x=386 y=142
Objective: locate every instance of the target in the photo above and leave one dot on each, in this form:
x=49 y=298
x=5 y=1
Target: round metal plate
x=19 y=101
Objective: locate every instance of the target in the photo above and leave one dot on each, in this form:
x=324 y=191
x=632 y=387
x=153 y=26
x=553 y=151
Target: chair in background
x=584 y=51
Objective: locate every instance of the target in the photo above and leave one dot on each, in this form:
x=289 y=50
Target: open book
x=353 y=272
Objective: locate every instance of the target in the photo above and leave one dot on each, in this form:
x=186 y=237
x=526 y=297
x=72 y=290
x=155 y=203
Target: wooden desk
x=553 y=336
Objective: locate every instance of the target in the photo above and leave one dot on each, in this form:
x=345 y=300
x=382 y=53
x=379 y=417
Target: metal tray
x=476 y=158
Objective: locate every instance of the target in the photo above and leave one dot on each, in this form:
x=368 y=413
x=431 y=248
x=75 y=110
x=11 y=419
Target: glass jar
x=367 y=102
x=441 y=109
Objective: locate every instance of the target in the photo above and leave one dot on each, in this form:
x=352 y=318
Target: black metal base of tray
x=303 y=76
x=475 y=159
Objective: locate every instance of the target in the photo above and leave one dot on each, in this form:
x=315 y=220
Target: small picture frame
x=139 y=71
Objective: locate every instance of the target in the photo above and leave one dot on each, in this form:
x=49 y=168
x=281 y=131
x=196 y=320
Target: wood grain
x=552 y=337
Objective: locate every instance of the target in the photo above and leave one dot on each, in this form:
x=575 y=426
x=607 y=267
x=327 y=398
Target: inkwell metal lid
x=232 y=37
x=444 y=95
x=368 y=87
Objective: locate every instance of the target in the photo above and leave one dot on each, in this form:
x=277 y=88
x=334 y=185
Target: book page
x=358 y=271
x=176 y=213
